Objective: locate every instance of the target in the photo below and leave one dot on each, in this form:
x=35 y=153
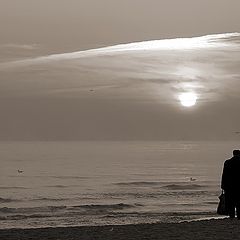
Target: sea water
x=53 y=184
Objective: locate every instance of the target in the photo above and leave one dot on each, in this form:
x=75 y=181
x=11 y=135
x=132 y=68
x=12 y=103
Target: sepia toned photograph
x=119 y=119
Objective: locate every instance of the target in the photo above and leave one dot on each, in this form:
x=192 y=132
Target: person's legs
x=231 y=210
x=238 y=210
x=238 y=206
x=230 y=204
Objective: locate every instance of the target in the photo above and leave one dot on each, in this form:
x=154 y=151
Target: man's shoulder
x=234 y=161
x=228 y=161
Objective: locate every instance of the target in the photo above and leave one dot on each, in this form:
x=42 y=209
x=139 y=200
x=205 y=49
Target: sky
x=82 y=24
x=114 y=70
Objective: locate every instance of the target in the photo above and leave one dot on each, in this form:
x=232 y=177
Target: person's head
x=236 y=153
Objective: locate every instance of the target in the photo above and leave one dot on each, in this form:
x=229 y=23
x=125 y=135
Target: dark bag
x=222 y=208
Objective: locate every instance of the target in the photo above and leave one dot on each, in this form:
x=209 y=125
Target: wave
x=61 y=186
x=62 y=211
x=164 y=185
x=68 y=177
x=55 y=199
x=50 y=199
x=52 y=209
x=8 y=200
x=212 y=203
x=59 y=212
x=106 y=215
x=141 y=183
x=183 y=187
x=46 y=176
x=192 y=213
x=118 y=206
x=21 y=216
x=32 y=209
x=5 y=187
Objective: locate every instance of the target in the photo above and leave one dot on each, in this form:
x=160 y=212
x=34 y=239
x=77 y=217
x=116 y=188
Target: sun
x=188 y=99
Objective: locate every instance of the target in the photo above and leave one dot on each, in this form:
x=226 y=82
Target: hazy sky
x=77 y=24
x=128 y=91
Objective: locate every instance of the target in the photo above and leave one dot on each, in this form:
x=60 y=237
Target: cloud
x=158 y=69
x=127 y=91
x=203 y=42
x=19 y=46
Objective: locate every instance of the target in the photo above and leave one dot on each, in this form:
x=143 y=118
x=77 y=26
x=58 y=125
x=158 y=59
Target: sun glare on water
x=188 y=99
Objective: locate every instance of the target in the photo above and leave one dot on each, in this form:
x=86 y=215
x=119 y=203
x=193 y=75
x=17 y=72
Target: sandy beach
x=205 y=229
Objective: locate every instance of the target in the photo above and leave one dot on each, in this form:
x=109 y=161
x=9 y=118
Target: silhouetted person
x=231 y=184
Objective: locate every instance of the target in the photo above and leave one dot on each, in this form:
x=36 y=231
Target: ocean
x=50 y=184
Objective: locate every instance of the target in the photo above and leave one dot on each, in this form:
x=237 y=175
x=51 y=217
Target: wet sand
x=206 y=229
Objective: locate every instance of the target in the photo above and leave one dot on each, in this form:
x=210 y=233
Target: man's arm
x=224 y=177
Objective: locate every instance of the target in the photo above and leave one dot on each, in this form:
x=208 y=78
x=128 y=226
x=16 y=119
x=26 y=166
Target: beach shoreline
x=198 y=230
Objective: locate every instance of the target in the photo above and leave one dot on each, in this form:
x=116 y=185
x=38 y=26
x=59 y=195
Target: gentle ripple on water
x=96 y=183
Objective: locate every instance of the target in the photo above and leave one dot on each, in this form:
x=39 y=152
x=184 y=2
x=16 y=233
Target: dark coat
x=231 y=175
